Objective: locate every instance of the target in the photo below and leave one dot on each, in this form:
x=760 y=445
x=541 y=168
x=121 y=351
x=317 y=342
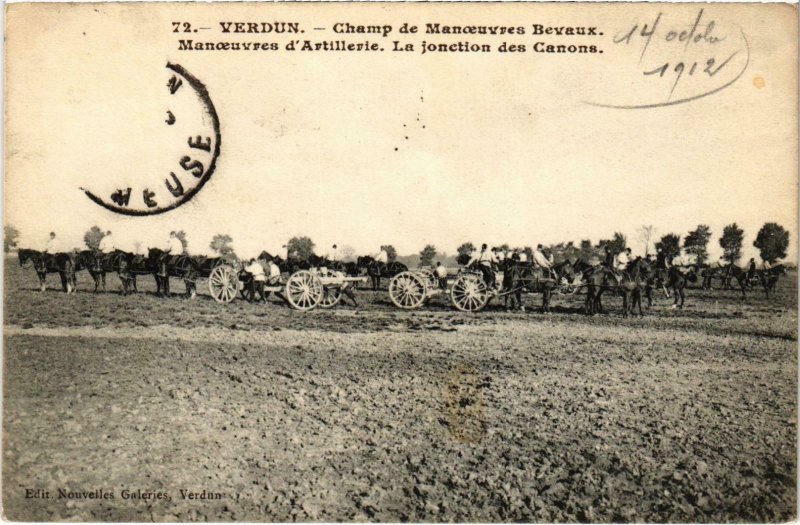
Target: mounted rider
x=663 y=260
x=622 y=260
x=499 y=257
x=541 y=261
x=484 y=262
x=274 y=272
x=257 y=279
x=441 y=275
x=172 y=250
x=332 y=255
x=47 y=251
x=381 y=259
x=106 y=250
x=608 y=257
x=751 y=269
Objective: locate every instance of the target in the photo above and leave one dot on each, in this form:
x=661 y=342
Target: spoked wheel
x=331 y=296
x=304 y=290
x=223 y=283
x=407 y=290
x=469 y=293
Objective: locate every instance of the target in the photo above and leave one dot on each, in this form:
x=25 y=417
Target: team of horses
x=639 y=278
x=163 y=266
x=767 y=278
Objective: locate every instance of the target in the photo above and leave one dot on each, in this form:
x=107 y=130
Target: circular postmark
x=187 y=139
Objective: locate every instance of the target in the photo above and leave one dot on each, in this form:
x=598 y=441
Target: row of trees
x=772 y=242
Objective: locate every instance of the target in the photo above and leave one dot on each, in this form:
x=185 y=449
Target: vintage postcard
x=400 y=262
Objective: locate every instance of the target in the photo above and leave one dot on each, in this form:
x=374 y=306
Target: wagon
x=468 y=293
x=302 y=290
x=411 y=289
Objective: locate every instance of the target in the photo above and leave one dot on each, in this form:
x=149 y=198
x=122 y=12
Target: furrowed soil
x=260 y=413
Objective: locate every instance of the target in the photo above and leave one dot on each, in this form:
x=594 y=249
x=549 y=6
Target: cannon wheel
x=469 y=293
x=223 y=283
x=304 y=290
x=407 y=290
x=331 y=296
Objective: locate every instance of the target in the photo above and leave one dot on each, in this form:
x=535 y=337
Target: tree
x=93 y=237
x=390 y=252
x=301 y=247
x=563 y=251
x=646 y=232
x=586 y=249
x=181 y=235
x=347 y=254
x=772 y=241
x=464 y=253
x=696 y=243
x=10 y=237
x=670 y=243
x=619 y=242
x=426 y=255
x=221 y=244
x=731 y=242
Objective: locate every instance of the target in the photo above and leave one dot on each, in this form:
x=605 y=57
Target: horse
x=769 y=278
x=98 y=265
x=676 y=280
x=378 y=270
x=628 y=284
x=44 y=263
x=140 y=265
x=519 y=277
x=731 y=272
x=181 y=266
x=316 y=261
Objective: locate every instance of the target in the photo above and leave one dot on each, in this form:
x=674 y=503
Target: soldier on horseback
x=106 y=250
x=48 y=251
x=541 y=261
x=441 y=275
x=49 y=243
x=257 y=279
x=662 y=261
x=622 y=260
x=382 y=259
x=106 y=245
x=751 y=270
x=173 y=248
x=484 y=261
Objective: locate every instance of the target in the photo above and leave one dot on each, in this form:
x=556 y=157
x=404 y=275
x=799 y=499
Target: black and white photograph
x=400 y=262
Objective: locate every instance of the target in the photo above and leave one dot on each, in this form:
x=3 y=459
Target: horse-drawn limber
x=302 y=290
x=469 y=291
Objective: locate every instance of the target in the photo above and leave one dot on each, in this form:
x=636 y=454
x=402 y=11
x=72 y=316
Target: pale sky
x=403 y=149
